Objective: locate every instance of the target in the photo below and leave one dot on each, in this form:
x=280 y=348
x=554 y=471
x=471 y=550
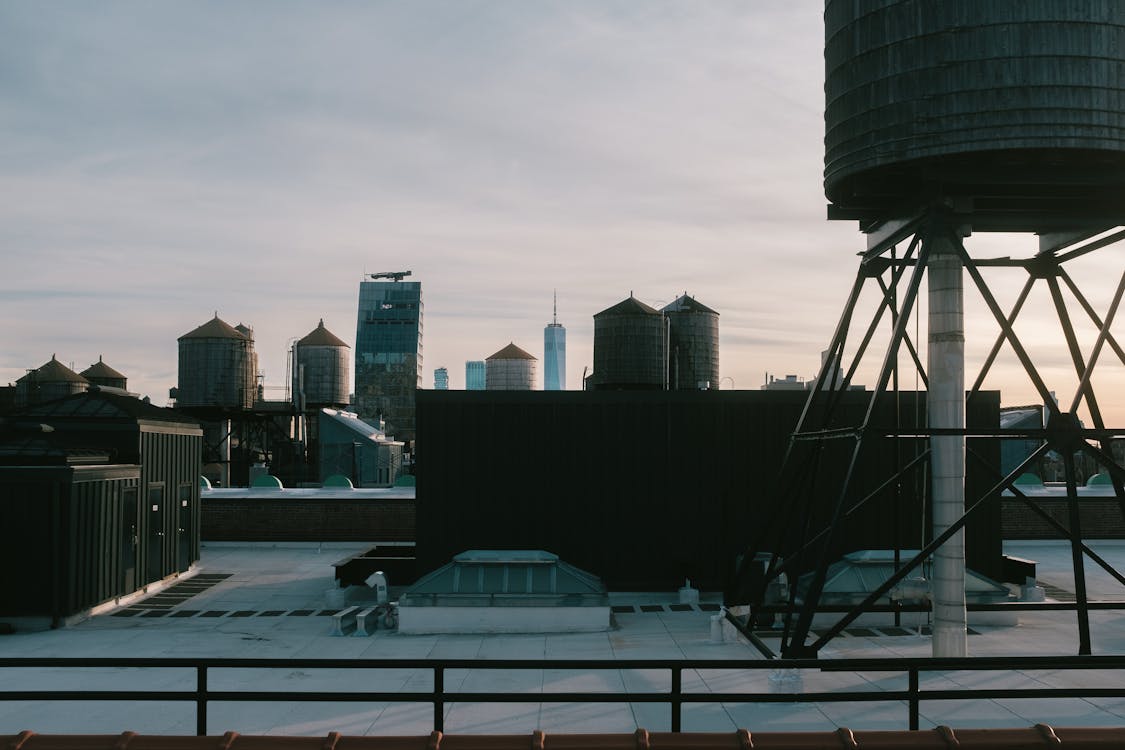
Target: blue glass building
x=554 y=354
x=474 y=375
x=388 y=353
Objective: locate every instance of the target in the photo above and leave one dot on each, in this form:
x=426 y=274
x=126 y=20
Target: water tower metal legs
x=946 y=410
x=937 y=254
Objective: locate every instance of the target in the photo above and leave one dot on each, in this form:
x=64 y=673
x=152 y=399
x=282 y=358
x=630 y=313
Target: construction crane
x=396 y=275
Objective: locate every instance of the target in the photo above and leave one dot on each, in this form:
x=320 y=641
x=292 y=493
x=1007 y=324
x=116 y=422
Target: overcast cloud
x=162 y=161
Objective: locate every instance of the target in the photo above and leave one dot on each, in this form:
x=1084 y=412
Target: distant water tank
x=1009 y=99
x=216 y=367
x=49 y=382
x=323 y=359
x=629 y=347
x=100 y=373
x=510 y=369
x=248 y=332
x=693 y=345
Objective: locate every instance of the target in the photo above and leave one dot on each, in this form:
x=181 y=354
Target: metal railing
x=913 y=696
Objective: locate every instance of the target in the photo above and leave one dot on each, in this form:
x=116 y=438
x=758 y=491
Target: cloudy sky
x=161 y=161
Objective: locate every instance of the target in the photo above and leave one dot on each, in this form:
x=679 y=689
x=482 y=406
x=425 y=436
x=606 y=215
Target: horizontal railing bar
x=895 y=664
x=674 y=696
x=972 y=607
x=862 y=696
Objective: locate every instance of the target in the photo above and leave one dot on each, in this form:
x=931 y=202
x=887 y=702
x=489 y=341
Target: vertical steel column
x=1083 y=609
x=946 y=410
x=201 y=700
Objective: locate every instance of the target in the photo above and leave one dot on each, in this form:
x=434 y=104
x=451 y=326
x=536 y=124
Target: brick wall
x=1100 y=518
x=307 y=520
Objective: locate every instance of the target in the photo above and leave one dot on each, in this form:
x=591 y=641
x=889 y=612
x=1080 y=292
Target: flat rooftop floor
x=262 y=601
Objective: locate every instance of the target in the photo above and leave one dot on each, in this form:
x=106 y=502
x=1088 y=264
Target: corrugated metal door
x=154 y=570
x=129 y=540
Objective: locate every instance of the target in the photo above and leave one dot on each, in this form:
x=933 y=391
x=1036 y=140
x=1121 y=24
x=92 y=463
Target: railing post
x=914 y=698
x=676 y=698
x=200 y=700
x=439 y=699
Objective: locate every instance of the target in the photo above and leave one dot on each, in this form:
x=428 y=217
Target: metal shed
x=349 y=446
x=71 y=518
x=167 y=445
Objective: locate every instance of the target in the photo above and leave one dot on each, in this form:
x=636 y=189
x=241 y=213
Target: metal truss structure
x=898 y=279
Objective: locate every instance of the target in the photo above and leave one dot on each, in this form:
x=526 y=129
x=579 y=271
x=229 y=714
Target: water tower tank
x=51 y=381
x=510 y=369
x=629 y=347
x=693 y=345
x=100 y=373
x=324 y=359
x=1018 y=103
x=216 y=367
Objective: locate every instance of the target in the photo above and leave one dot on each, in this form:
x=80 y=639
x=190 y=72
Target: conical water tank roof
x=511 y=351
x=321 y=336
x=687 y=304
x=54 y=372
x=102 y=374
x=216 y=328
x=628 y=306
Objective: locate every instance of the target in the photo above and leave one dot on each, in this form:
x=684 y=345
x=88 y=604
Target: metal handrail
x=675 y=697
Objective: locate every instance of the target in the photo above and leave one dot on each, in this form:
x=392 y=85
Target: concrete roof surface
x=262 y=601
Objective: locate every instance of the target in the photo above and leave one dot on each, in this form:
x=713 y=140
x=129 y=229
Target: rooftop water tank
x=693 y=345
x=1019 y=105
x=510 y=369
x=322 y=357
x=216 y=367
x=51 y=381
x=100 y=373
x=629 y=347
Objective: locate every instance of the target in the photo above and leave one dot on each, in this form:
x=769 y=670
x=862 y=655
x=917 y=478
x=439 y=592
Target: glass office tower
x=474 y=375
x=441 y=379
x=388 y=352
x=554 y=354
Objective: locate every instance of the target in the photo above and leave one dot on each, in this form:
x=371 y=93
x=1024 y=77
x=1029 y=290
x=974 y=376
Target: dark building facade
x=647 y=488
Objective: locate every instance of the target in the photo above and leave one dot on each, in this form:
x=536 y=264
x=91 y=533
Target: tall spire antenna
x=556 y=310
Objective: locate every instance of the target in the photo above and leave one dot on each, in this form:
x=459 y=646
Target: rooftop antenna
x=396 y=275
x=555 y=321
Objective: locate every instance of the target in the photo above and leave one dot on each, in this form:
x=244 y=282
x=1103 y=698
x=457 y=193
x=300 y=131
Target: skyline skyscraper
x=554 y=353
x=388 y=351
x=474 y=375
x=441 y=379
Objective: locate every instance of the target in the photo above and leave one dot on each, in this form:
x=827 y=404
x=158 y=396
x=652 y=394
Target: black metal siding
x=62 y=554
x=170 y=459
x=643 y=488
